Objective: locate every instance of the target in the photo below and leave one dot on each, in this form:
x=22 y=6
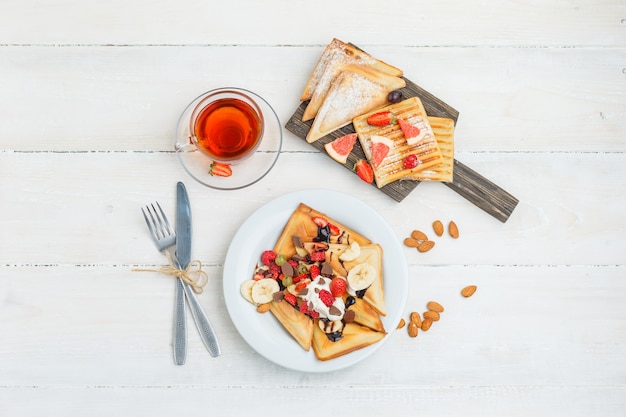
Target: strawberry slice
x=381 y=146
x=382 y=118
x=411 y=132
x=220 y=170
x=364 y=171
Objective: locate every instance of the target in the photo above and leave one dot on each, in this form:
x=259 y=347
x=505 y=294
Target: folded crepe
x=336 y=56
x=355 y=90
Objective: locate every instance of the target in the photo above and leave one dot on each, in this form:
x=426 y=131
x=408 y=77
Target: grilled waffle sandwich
x=392 y=167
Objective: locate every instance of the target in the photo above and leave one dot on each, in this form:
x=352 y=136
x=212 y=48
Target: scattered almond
x=401 y=324
x=426 y=323
x=438 y=227
x=412 y=329
x=453 y=230
x=263 y=308
x=468 y=291
x=419 y=235
x=435 y=306
x=411 y=243
x=415 y=318
x=426 y=246
x=432 y=315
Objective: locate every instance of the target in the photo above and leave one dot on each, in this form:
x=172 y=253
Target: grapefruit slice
x=340 y=148
x=411 y=132
x=381 y=146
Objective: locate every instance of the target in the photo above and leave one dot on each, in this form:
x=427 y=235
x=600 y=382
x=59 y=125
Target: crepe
x=301 y=224
x=354 y=337
x=392 y=167
x=371 y=254
x=336 y=56
x=298 y=324
x=356 y=90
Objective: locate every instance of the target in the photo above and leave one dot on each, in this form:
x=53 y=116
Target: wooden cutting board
x=468 y=183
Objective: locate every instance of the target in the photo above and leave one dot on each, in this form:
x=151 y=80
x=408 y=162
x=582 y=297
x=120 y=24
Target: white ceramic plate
x=261 y=231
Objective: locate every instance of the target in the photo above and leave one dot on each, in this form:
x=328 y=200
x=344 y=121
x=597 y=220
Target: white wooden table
x=89 y=96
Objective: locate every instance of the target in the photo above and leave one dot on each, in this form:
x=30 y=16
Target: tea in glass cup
x=226 y=125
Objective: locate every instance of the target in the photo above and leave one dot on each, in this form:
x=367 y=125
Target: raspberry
x=326 y=297
x=314 y=271
x=318 y=256
x=338 y=286
x=268 y=257
x=303 y=307
x=411 y=161
x=290 y=298
x=293 y=263
x=314 y=314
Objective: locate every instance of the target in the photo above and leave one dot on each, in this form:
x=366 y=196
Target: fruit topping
x=381 y=146
x=395 y=96
x=320 y=221
x=340 y=148
x=382 y=118
x=218 y=169
x=317 y=256
x=351 y=253
x=361 y=276
x=326 y=297
x=411 y=161
x=263 y=290
x=290 y=298
x=338 y=286
x=411 y=132
x=364 y=171
x=268 y=257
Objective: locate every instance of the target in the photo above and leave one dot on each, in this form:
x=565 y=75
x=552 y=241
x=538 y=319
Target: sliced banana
x=351 y=253
x=263 y=290
x=361 y=276
x=246 y=290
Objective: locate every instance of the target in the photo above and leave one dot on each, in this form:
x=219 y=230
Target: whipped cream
x=335 y=311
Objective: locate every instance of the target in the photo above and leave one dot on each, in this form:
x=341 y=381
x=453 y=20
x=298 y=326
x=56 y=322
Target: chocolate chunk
x=334 y=311
x=287 y=269
x=327 y=270
x=304 y=291
x=322 y=281
x=278 y=296
x=348 y=316
x=296 y=241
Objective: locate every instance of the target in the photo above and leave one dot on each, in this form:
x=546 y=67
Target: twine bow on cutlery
x=192 y=274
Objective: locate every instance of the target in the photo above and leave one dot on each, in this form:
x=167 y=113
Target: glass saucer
x=245 y=173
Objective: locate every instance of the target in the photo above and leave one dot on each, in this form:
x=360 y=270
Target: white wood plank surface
x=89 y=96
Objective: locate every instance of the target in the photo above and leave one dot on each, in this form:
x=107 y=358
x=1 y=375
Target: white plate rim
x=261 y=230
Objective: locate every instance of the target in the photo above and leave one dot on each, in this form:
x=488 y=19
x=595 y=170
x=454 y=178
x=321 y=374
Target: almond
x=426 y=246
x=438 y=227
x=412 y=329
x=453 y=230
x=468 y=291
x=415 y=318
x=419 y=235
x=263 y=308
x=411 y=243
x=401 y=324
x=435 y=306
x=431 y=315
x=426 y=324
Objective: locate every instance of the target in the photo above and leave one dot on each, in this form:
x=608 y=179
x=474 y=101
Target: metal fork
x=165 y=240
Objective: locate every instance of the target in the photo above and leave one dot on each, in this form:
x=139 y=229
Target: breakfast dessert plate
x=244 y=173
x=260 y=232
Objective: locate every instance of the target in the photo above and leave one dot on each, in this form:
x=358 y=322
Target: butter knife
x=183 y=254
